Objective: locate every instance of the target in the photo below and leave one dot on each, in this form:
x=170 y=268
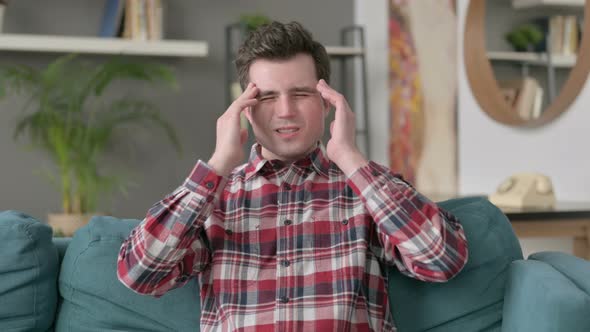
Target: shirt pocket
x=342 y=245
x=354 y=244
x=247 y=237
x=324 y=240
x=237 y=265
x=325 y=229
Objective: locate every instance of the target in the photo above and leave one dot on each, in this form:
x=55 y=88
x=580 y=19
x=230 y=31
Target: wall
x=193 y=110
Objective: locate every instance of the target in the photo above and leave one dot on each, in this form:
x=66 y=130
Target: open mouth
x=287 y=130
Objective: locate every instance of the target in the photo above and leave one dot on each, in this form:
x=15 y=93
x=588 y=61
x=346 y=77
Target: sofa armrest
x=575 y=268
x=547 y=293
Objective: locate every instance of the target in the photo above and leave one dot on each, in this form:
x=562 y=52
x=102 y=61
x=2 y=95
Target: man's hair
x=278 y=41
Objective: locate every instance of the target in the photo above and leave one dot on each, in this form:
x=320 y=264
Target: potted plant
x=525 y=38
x=68 y=117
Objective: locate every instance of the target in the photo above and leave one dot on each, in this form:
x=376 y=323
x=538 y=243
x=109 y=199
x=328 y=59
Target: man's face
x=289 y=119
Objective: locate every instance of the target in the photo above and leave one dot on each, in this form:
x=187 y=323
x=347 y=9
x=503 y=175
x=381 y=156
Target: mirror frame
x=483 y=83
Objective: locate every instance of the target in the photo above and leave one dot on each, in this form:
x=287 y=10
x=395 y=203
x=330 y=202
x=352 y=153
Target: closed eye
x=300 y=95
x=266 y=98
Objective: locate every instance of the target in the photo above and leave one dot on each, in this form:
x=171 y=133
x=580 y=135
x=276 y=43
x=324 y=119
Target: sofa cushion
x=28 y=273
x=95 y=300
x=472 y=301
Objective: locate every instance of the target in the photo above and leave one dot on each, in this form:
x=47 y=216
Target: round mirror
x=526 y=60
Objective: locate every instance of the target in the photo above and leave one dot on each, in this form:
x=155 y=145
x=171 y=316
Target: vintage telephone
x=525 y=190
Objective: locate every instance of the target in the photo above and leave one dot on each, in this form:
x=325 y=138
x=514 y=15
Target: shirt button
x=375 y=173
x=287 y=222
x=210 y=184
x=287 y=186
x=284 y=299
x=285 y=263
x=345 y=222
x=229 y=231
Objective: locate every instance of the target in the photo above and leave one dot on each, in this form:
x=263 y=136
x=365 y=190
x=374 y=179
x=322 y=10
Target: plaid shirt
x=291 y=247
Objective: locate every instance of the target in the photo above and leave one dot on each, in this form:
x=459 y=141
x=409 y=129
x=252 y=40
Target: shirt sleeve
x=169 y=246
x=421 y=239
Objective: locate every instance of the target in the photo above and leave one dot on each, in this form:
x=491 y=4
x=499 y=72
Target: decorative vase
x=64 y=224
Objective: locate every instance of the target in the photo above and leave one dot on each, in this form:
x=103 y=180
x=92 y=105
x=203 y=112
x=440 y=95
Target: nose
x=286 y=107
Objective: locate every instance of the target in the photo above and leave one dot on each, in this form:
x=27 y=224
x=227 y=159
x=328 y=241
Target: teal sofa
x=70 y=284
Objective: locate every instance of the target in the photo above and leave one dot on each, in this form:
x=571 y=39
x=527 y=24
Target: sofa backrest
x=93 y=299
x=473 y=300
x=28 y=273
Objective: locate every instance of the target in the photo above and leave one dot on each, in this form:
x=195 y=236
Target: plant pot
x=64 y=224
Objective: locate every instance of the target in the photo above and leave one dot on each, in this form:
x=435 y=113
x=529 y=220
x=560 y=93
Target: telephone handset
x=524 y=190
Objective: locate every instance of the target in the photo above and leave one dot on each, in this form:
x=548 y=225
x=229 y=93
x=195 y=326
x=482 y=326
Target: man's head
x=285 y=64
x=278 y=41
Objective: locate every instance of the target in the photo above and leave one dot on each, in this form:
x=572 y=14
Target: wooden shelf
x=536 y=3
x=539 y=59
x=344 y=51
x=96 y=45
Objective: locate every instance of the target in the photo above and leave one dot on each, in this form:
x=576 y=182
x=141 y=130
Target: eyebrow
x=265 y=93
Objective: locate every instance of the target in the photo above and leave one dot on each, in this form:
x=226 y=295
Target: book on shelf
x=524 y=96
x=563 y=32
x=112 y=18
x=133 y=19
x=538 y=103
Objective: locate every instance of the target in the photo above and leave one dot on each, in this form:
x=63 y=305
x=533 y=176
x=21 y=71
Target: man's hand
x=341 y=147
x=230 y=137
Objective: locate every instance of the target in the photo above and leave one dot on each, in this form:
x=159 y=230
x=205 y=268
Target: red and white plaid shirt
x=291 y=247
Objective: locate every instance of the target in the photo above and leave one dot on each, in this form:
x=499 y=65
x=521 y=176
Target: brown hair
x=281 y=41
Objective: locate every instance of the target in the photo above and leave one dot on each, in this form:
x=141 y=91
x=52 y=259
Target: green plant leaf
x=119 y=69
x=253 y=21
x=17 y=79
x=124 y=112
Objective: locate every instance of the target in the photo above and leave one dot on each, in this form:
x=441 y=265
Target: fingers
x=331 y=95
x=342 y=110
x=246 y=99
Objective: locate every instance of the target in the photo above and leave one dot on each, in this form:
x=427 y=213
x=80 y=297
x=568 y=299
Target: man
x=297 y=237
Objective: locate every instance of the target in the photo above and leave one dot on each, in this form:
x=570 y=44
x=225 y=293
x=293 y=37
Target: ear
x=248 y=113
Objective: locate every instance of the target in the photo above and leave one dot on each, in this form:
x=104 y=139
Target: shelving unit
x=537 y=59
x=96 y=45
x=344 y=51
x=340 y=54
x=520 y=4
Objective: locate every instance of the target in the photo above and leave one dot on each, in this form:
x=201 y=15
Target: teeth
x=286 y=130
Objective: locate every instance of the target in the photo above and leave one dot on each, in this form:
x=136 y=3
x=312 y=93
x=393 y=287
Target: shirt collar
x=317 y=159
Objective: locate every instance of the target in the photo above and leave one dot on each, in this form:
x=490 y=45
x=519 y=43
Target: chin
x=288 y=154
